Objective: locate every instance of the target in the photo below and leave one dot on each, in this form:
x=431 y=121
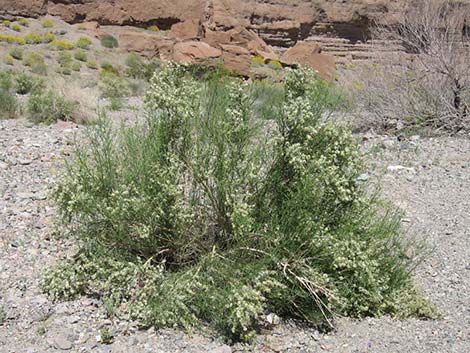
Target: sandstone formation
x=238 y=30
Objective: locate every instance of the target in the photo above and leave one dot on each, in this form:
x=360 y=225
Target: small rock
x=363 y=177
x=273 y=319
x=222 y=349
x=62 y=342
x=25 y=161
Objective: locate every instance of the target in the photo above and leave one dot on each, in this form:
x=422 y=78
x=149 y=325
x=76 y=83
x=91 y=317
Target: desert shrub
x=108 y=68
x=92 y=64
x=36 y=62
x=83 y=43
x=229 y=201
x=33 y=38
x=153 y=28
x=429 y=91
x=257 y=61
x=135 y=65
x=64 y=58
x=76 y=66
x=12 y=39
x=81 y=55
x=48 y=37
x=23 y=22
x=109 y=41
x=16 y=27
x=49 y=107
x=275 y=64
x=7 y=23
x=47 y=23
x=17 y=53
x=26 y=83
x=62 y=44
x=8 y=59
x=9 y=105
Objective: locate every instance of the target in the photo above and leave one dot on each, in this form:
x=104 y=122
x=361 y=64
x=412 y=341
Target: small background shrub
x=83 y=43
x=23 y=22
x=16 y=27
x=109 y=41
x=8 y=59
x=49 y=107
x=62 y=44
x=47 y=23
x=17 y=53
x=81 y=55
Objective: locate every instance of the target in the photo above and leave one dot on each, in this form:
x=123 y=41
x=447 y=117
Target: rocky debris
x=194 y=51
x=309 y=54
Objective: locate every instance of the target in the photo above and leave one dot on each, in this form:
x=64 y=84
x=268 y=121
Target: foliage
x=49 y=107
x=33 y=38
x=109 y=41
x=17 y=53
x=47 y=23
x=12 y=39
x=83 y=43
x=229 y=201
x=64 y=58
x=76 y=66
x=8 y=59
x=108 y=68
x=153 y=28
x=81 y=55
x=7 y=23
x=36 y=62
x=275 y=64
x=23 y=22
x=16 y=27
x=92 y=64
x=62 y=44
x=26 y=83
x=9 y=106
x=139 y=69
x=48 y=37
x=257 y=61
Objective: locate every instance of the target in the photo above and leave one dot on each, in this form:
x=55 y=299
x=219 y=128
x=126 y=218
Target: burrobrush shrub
x=17 y=53
x=83 y=43
x=230 y=200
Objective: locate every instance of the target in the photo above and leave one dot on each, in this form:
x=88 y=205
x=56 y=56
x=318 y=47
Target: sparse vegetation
x=8 y=59
x=153 y=28
x=83 y=43
x=17 y=53
x=47 y=23
x=92 y=64
x=36 y=62
x=257 y=61
x=49 y=107
x=16 y=27
x=81 y=55
x=7 y=23
x=62 y=44
x=12 y=39
x=23 y=22
x=48 y=37
x=26 y=83
x=109 y=41
x=230 y=200
x=9 y=106
x=33 y=38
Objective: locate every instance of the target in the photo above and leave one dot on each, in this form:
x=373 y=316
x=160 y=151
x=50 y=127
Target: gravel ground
x=428 y=178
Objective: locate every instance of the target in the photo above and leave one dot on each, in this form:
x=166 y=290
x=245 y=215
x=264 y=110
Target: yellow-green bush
x=33 y=38
x=7 y=23
x=81 y=55
x=8 y=59
x=12 y=39
x=257 y=61
x=92 y=64
x=36 y=62
x=83 y=42
x=153 y=28
x=16 y=27
x=76 y=66
x=48 y=37
x=275 y=64
x=47 y=23
x=109 y=41
x=61 y=44
x=23 y=22
x=17 y=53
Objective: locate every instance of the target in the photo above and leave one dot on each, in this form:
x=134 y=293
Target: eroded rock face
x=279 y=23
